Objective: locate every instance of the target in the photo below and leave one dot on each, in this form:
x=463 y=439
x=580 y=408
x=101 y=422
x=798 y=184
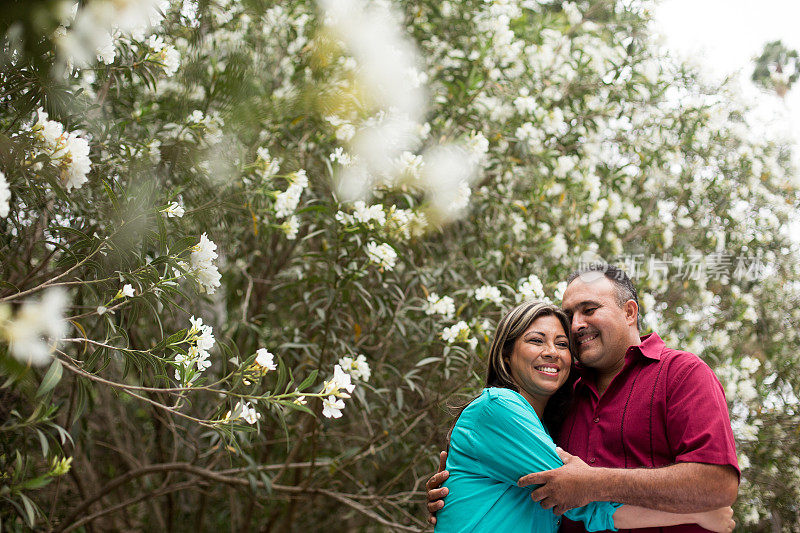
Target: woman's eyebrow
x=535 y=333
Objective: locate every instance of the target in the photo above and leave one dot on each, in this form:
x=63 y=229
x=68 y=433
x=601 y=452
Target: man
x=649 y=425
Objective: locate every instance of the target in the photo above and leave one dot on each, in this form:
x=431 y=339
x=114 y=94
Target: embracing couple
x=644 y=434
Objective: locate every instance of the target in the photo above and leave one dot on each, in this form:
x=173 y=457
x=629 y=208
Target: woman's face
x=540 y=360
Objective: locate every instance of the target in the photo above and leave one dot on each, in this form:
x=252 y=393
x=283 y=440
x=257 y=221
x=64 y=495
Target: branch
x=347 y=499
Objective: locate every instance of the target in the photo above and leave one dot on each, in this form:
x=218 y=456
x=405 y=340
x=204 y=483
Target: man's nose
x=578 y=323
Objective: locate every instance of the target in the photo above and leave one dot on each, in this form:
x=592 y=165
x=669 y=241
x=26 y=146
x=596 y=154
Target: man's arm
x=678 y=488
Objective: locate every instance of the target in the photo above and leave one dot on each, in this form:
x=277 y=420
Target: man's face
x=600 y=329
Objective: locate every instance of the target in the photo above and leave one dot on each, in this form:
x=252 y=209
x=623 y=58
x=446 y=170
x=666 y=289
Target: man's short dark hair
x=623 y=286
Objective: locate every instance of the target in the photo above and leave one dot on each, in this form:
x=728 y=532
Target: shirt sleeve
x=509 y=441
x=698 y=424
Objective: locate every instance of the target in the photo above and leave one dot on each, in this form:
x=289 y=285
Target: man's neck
x=606 y=376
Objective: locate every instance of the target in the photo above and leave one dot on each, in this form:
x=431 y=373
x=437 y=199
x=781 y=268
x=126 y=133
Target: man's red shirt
x=664 y=407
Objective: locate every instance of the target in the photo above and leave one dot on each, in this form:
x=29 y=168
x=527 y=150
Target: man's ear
x=631 y=309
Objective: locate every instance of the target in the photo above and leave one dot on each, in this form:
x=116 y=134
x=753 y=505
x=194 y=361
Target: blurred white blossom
x=36 y=328
x=382 y=255
x=444 y=305
x=5 y=196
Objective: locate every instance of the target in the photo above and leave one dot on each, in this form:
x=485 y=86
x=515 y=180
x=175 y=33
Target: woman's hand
x=720 y=520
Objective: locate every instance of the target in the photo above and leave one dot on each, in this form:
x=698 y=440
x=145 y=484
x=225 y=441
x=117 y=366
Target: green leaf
x=51 y=378
x=30 y=509
x=308 y=381
x=43 y=442
x=36 y=483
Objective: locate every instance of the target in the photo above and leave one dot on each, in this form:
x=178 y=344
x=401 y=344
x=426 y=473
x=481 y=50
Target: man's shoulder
x=682 y=365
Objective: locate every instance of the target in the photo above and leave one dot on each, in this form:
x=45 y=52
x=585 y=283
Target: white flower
x=101 y=310
x=202 y=266
x=127 y=290
x=488 y=292
x=69 y=151
x=382 y=255
x=286 y=201
x=201 y=340
x=458 y=332
x=410 y=164
x=299 y=178
x=339 y=381
x=267 y=165
x=331 y=407
x=170 y=59
x=246 y=411
x=250 y=414
x=444 y=306
x=290 y=227
x=265 y=359
x=478 y=147
x=530 y=288
x=106 y=51
x=78 y=162
x=36 y=328
x=358 y=368
x=5 y=196
x=558 y=294
x=365 y=214
x=301 y=400
x=559 y=246
x=174 y=210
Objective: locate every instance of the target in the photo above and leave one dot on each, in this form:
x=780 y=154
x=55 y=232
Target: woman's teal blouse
x=497 y=439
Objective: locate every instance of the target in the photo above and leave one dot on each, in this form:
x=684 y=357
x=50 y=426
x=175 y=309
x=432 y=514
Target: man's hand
x=563 y=488
x=435 y=494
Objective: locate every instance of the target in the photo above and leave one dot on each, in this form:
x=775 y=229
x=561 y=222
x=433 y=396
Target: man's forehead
x=587 y=286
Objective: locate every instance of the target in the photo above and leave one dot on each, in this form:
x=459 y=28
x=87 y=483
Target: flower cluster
x=202 y=266
x=68 y=150
x=382 y=255
x=458 y=333
x=489 y=293
x=358 y=367
x=201 y=339
x=94 y=27
x=530 y=288
x=286 y=202
x=36 y=327
x=164 y=54
x=206 y=126
x=436 y=305
x=336 y=388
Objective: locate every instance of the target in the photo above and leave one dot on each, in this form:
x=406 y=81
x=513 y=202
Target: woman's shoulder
x=495 y=400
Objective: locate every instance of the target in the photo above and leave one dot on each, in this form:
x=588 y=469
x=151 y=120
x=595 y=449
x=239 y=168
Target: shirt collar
x=650 y=346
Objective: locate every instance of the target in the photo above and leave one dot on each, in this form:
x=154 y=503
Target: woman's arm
x=631 y=516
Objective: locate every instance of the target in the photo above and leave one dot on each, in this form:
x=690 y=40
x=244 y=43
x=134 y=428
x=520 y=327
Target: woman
x=499 y=437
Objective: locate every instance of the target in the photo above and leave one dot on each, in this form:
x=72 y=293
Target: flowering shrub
x=256 y=246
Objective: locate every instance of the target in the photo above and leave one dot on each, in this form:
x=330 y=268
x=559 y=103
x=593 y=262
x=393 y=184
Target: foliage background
x=589 y=143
